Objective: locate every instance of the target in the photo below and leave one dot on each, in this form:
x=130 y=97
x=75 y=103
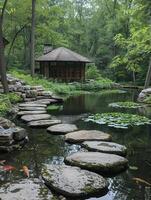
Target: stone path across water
x=74 y=182
x=32 y=108
x=31 y=112
x=67 y=180
x=105 y=147
x=87 y=135
x=102 y=163
x=25 y=189
x=32 y=105
x=28 y=118
x=62 y=128
x=44 y=123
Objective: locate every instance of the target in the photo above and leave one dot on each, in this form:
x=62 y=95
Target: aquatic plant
x=119 y=120
x=126 y=104
x=54 y=107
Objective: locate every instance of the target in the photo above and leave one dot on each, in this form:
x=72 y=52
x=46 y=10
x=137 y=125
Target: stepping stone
x=105 y=147
x=25 y=189
x=102 y=163
x=87 y=135
x=73 y=182
x=44 y=123
x=32 y=105
x=31 y=112
x=42 y=101
x=32 y=108
x=62 y=128
x=28 y=118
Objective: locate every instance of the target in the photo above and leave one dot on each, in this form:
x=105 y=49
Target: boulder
x=19 y=133
x=44 y=123
x=31 y=112
x=31 y=93
x=87 y=135
x=28 y=118
x=102 y=163
x=144 y=93
x=5 y=123
x=62 y=128
x=25 y=189
x=105 y=147
x=73 y=182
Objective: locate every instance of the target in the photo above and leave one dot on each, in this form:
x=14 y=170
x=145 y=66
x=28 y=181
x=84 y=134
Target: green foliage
x=63 y=88
x=54 y=108
x=92 y=72
x=119 y=120
x=148 y=100
x=126 y=104
x=6 y=101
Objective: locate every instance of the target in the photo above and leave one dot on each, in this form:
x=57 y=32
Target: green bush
x=92 y=72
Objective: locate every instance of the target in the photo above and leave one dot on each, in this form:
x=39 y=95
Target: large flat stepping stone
x=28 y=118
x=105 y=147
x=44 y=123
x=73 y=182
x=32 y=105
x=62 y=128
x=42 y=101
x=25 y=189
x=87 y=135
x=32 y=108
x=102 y=163
x=31 y=112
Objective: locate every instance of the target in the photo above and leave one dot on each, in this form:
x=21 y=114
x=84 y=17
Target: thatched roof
x=64 y=55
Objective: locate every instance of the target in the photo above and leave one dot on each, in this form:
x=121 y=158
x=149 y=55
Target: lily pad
x=119 y=120
x=126 y=104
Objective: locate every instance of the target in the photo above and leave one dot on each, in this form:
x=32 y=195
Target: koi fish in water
x=8 y=168
x=141 y=181
x=26 y=170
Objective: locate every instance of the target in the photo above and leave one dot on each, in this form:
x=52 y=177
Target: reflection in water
x=44 y=148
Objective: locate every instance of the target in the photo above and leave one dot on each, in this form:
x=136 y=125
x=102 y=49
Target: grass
x=63 y=88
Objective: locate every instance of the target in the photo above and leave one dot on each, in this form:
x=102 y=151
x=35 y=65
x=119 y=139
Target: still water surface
x=45 y=148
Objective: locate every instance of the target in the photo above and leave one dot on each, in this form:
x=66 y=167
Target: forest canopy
x=115 y=34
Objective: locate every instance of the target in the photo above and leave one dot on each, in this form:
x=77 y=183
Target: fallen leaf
x=133 y=167
x=141 y=181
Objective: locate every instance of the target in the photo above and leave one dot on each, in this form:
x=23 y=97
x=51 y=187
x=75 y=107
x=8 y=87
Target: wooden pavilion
x=63 y=64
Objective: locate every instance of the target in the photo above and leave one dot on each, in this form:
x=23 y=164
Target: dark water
x=45 y=148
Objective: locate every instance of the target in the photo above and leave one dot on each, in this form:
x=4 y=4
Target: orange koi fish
x=26 y=170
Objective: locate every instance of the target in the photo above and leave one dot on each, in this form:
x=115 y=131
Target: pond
x=45 y=148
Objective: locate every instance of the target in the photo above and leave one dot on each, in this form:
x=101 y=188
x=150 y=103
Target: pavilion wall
x=65 y=71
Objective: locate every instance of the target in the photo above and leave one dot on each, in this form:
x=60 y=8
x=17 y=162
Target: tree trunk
x=32 y=56
x=2 y=57
x=148 y=76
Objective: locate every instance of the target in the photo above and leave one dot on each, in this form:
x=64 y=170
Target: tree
x=32 y=56
x=2 y=58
